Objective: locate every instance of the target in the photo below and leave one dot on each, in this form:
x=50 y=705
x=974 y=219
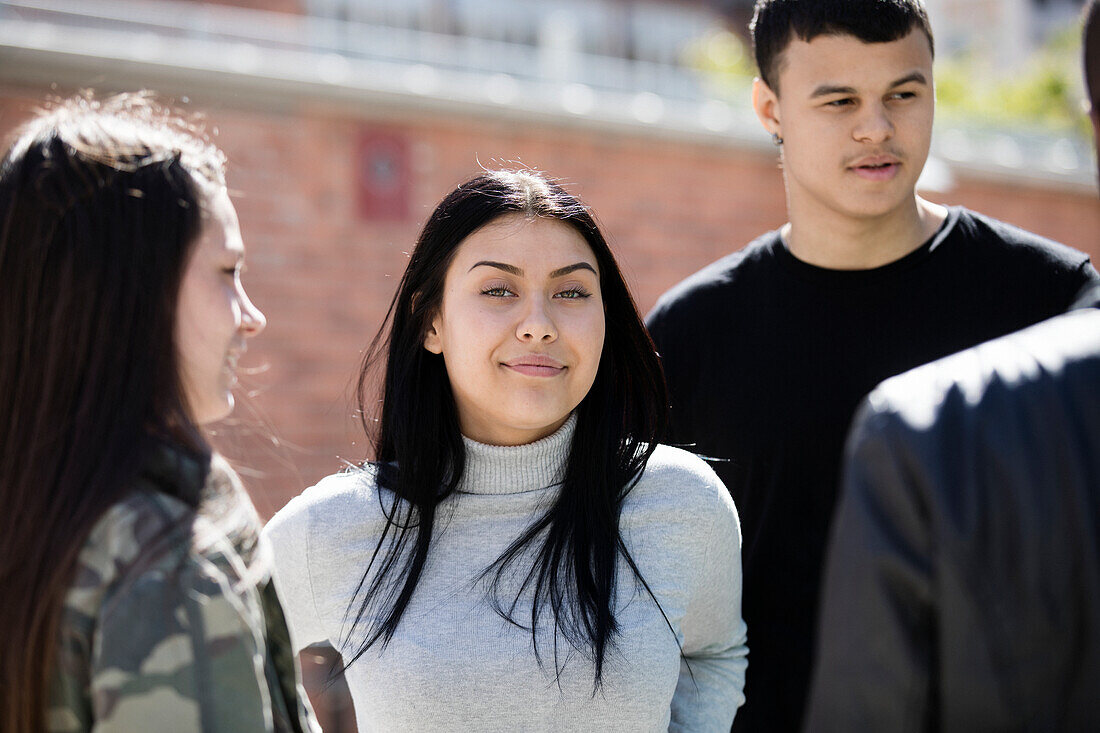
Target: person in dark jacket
x=962 y=589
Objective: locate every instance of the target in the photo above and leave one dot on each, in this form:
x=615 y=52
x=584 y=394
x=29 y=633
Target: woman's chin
x=215 y=410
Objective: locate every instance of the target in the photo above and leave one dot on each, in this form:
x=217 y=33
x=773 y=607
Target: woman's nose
x=536 y=325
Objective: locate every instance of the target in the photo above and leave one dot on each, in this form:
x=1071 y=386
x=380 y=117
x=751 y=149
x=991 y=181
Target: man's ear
x=432 y=342
x=765 y=103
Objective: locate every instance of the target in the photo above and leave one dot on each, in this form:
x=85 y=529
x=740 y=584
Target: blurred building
x=345 y=122
x=1011 y=29
x=641 y=31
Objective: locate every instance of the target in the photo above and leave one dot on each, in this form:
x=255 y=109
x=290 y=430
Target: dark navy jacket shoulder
x=962 y=589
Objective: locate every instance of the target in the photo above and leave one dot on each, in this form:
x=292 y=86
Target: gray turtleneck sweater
x=455 y=665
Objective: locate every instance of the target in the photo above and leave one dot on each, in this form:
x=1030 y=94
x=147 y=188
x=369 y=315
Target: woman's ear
x=432 y=341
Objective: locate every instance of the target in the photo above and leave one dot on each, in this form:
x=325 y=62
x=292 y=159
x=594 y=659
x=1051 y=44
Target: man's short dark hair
x=1092 y=53
x=775 y=23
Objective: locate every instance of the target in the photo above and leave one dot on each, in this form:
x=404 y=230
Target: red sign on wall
x=384 y=177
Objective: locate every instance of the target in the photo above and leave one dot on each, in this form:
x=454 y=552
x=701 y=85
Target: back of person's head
x=1091 y=44
x=101 y=205
x=776 y=23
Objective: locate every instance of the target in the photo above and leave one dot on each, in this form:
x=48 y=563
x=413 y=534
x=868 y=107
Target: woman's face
x=520 y=328
x=214 y=316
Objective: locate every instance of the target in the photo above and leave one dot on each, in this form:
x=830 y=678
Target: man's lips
x=535 y=365
x=876 y=168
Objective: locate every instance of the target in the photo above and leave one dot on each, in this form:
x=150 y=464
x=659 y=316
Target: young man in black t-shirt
x=769 y=350
x=962 y=586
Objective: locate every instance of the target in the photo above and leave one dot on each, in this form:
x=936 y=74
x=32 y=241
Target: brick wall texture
x=323 y=273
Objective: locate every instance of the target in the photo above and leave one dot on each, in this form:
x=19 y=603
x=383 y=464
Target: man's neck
x=840 y=242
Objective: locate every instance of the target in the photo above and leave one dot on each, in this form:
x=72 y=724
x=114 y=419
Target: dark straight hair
x=100 y=207
x=420 y=455
x=775 y=23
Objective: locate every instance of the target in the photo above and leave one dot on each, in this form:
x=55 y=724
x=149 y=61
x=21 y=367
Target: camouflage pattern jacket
x=171 y=622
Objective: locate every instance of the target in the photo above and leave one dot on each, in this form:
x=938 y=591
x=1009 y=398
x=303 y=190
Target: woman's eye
x=574 y=294
x=497 y=292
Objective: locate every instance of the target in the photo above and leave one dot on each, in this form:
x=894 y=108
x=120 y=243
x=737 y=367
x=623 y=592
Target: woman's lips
x=536 y=365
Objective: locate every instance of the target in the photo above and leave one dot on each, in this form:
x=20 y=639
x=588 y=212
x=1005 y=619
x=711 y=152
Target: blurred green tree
x=1044 y=94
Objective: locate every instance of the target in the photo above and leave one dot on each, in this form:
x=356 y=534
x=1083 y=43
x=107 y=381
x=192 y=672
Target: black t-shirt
x=767 y=357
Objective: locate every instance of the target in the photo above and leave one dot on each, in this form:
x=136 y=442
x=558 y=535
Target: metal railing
x=349 y=59
x=355 y=40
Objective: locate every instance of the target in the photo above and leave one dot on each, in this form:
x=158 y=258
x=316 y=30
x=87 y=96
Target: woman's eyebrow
x=571 y=268
x=510 y=269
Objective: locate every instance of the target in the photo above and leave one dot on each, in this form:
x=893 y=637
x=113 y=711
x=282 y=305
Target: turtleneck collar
x=514 y=469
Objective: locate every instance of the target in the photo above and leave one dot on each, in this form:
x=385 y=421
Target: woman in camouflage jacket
x=136 y=593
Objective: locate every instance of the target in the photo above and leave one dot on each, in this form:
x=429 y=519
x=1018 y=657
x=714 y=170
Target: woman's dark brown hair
x=101 y=203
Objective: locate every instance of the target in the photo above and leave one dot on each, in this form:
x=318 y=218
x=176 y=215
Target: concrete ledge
x=272 y=67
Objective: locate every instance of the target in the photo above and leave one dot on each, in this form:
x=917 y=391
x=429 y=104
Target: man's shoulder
x=1056 y=360
x=1003 y=237
x=717 y=280
x=1004 y=429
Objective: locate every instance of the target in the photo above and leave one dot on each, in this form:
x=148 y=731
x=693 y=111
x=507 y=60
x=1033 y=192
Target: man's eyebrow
x=826 y=89
x=916 y=76
x=572 y=268
x=510 y=269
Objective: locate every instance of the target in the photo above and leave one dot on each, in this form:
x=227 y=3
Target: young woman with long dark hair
x=521 y=554
x=135 y=595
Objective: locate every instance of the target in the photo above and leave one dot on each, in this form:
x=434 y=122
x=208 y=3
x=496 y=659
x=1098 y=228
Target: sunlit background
x=345 y=121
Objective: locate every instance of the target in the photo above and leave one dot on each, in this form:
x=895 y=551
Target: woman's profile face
x=214 y=316
x=520 y=328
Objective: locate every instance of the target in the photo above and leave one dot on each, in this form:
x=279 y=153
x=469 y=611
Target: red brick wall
x=1072 y=219
x=324 y=275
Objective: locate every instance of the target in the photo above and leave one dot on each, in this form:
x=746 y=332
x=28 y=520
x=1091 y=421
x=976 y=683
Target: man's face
x=856 y=121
